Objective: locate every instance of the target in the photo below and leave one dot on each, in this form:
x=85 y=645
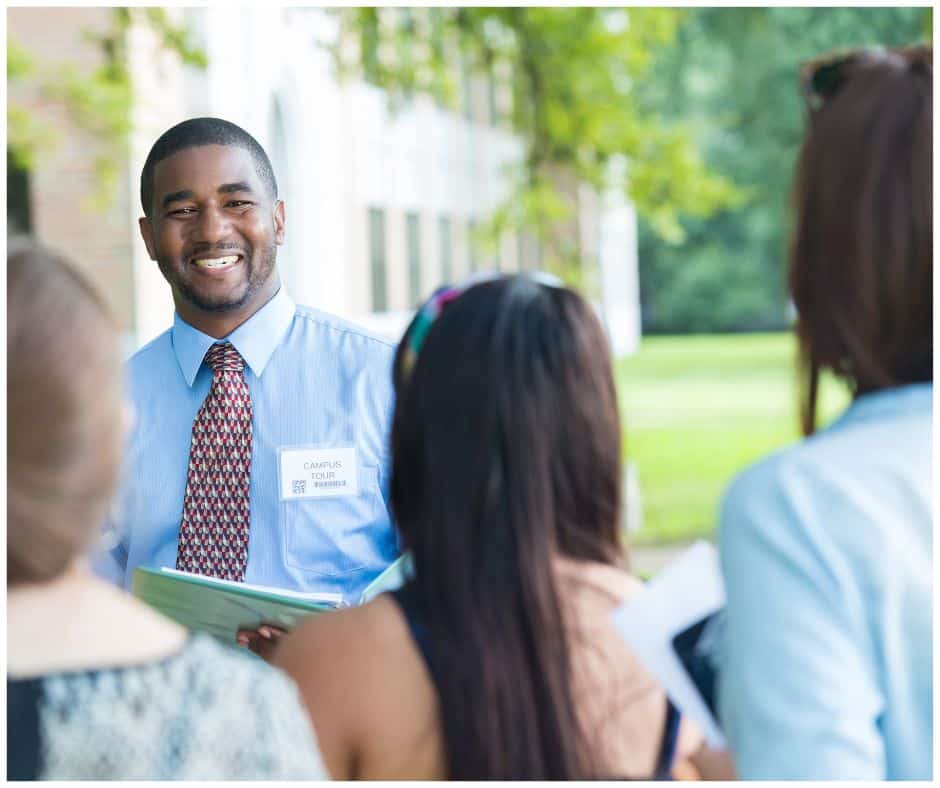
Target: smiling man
x=259 y=449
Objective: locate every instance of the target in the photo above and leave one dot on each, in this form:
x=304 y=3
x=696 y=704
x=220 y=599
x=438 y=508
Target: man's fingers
x=263 y=647
x=261 y=641
x=243 y=636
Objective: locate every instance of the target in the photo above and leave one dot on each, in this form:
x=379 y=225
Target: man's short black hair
x=194 y=133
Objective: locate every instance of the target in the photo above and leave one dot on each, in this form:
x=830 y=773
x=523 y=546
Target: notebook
x=222 y=607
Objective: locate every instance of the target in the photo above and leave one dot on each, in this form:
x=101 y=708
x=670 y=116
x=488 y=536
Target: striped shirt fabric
x=318 y=385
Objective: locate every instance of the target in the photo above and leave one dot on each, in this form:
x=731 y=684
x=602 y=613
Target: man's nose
x=212 y=226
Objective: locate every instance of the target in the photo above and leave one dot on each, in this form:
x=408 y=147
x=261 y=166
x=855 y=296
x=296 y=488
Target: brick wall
x=99 y=241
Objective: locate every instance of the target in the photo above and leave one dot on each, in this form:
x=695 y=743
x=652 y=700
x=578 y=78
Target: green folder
x=222 y=607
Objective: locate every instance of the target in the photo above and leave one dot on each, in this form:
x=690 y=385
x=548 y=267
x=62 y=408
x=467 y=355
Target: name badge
x=318 y=473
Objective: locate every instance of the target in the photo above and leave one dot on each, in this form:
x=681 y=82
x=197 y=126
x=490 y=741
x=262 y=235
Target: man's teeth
x=215 y=262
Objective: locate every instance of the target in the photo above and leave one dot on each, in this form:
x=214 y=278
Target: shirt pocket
x=335 y=536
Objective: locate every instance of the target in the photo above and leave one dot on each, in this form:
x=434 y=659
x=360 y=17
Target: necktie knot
x=223 y=357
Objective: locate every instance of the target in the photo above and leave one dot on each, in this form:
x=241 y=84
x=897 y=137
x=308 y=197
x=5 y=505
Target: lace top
x=207 y=712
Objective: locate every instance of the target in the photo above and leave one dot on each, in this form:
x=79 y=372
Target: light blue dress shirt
x=315 y=381
x=826 y=549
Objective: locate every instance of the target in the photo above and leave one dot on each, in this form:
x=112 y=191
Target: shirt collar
x=255 y=339
x=912 y=397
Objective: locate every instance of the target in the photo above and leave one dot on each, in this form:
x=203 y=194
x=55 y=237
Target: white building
x=379 y=208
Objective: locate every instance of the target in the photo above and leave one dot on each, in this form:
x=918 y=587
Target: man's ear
x=146 y=232
x=279 y=222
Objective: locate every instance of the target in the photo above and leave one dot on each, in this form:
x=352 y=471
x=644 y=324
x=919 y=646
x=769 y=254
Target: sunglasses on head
x=821 y=79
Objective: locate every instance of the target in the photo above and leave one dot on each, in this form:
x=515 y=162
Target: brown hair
x=506 y=452
x=63 y=413
x=861 y=260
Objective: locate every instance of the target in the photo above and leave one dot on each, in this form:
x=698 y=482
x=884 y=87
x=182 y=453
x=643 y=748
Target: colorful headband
x=425 y=318
x=432 y=308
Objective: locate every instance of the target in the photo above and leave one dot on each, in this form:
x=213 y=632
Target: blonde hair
x=63 y=413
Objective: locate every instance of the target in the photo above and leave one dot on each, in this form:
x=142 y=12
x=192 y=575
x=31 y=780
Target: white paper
x=686 y=591
x=326 y=597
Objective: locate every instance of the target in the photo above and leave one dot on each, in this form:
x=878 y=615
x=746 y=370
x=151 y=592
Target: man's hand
x=261 y=641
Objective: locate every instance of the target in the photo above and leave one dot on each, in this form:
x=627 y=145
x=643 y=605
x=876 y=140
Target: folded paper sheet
x=683 y=595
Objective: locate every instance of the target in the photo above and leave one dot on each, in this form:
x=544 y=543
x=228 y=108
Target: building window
x=414 y=258
x=439 y=54
x=466 y=88
x=407 y=24
x=370 y=45
x=491 y=98
x=377 y=259
x=19 y=216
x=281 y=164
x=447 y=247
x=471 y=245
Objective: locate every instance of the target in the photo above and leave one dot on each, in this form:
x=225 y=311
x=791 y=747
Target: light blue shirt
x=315 y=381
x=826 y=550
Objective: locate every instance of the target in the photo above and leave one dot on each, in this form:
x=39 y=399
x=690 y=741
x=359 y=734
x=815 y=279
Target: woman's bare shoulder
x=351 y=656
x=363 y=682
x=343 y=632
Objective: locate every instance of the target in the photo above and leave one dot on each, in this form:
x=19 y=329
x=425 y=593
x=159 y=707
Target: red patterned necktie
x=214 y=532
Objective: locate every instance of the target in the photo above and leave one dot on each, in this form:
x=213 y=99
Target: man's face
x=214 y=230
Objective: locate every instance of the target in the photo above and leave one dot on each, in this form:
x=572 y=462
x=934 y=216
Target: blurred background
x=643 y=154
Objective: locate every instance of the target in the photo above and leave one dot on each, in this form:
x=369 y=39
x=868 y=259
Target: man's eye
x=238 y=203
x=182 y=211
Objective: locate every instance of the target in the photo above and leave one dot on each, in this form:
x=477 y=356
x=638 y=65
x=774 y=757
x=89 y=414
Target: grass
x=696 y=411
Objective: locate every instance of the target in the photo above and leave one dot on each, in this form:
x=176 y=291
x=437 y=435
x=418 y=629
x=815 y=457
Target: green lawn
x=698 y=409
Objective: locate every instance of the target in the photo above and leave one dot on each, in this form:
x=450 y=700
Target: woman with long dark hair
x=826 y=546
x=497 y=659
